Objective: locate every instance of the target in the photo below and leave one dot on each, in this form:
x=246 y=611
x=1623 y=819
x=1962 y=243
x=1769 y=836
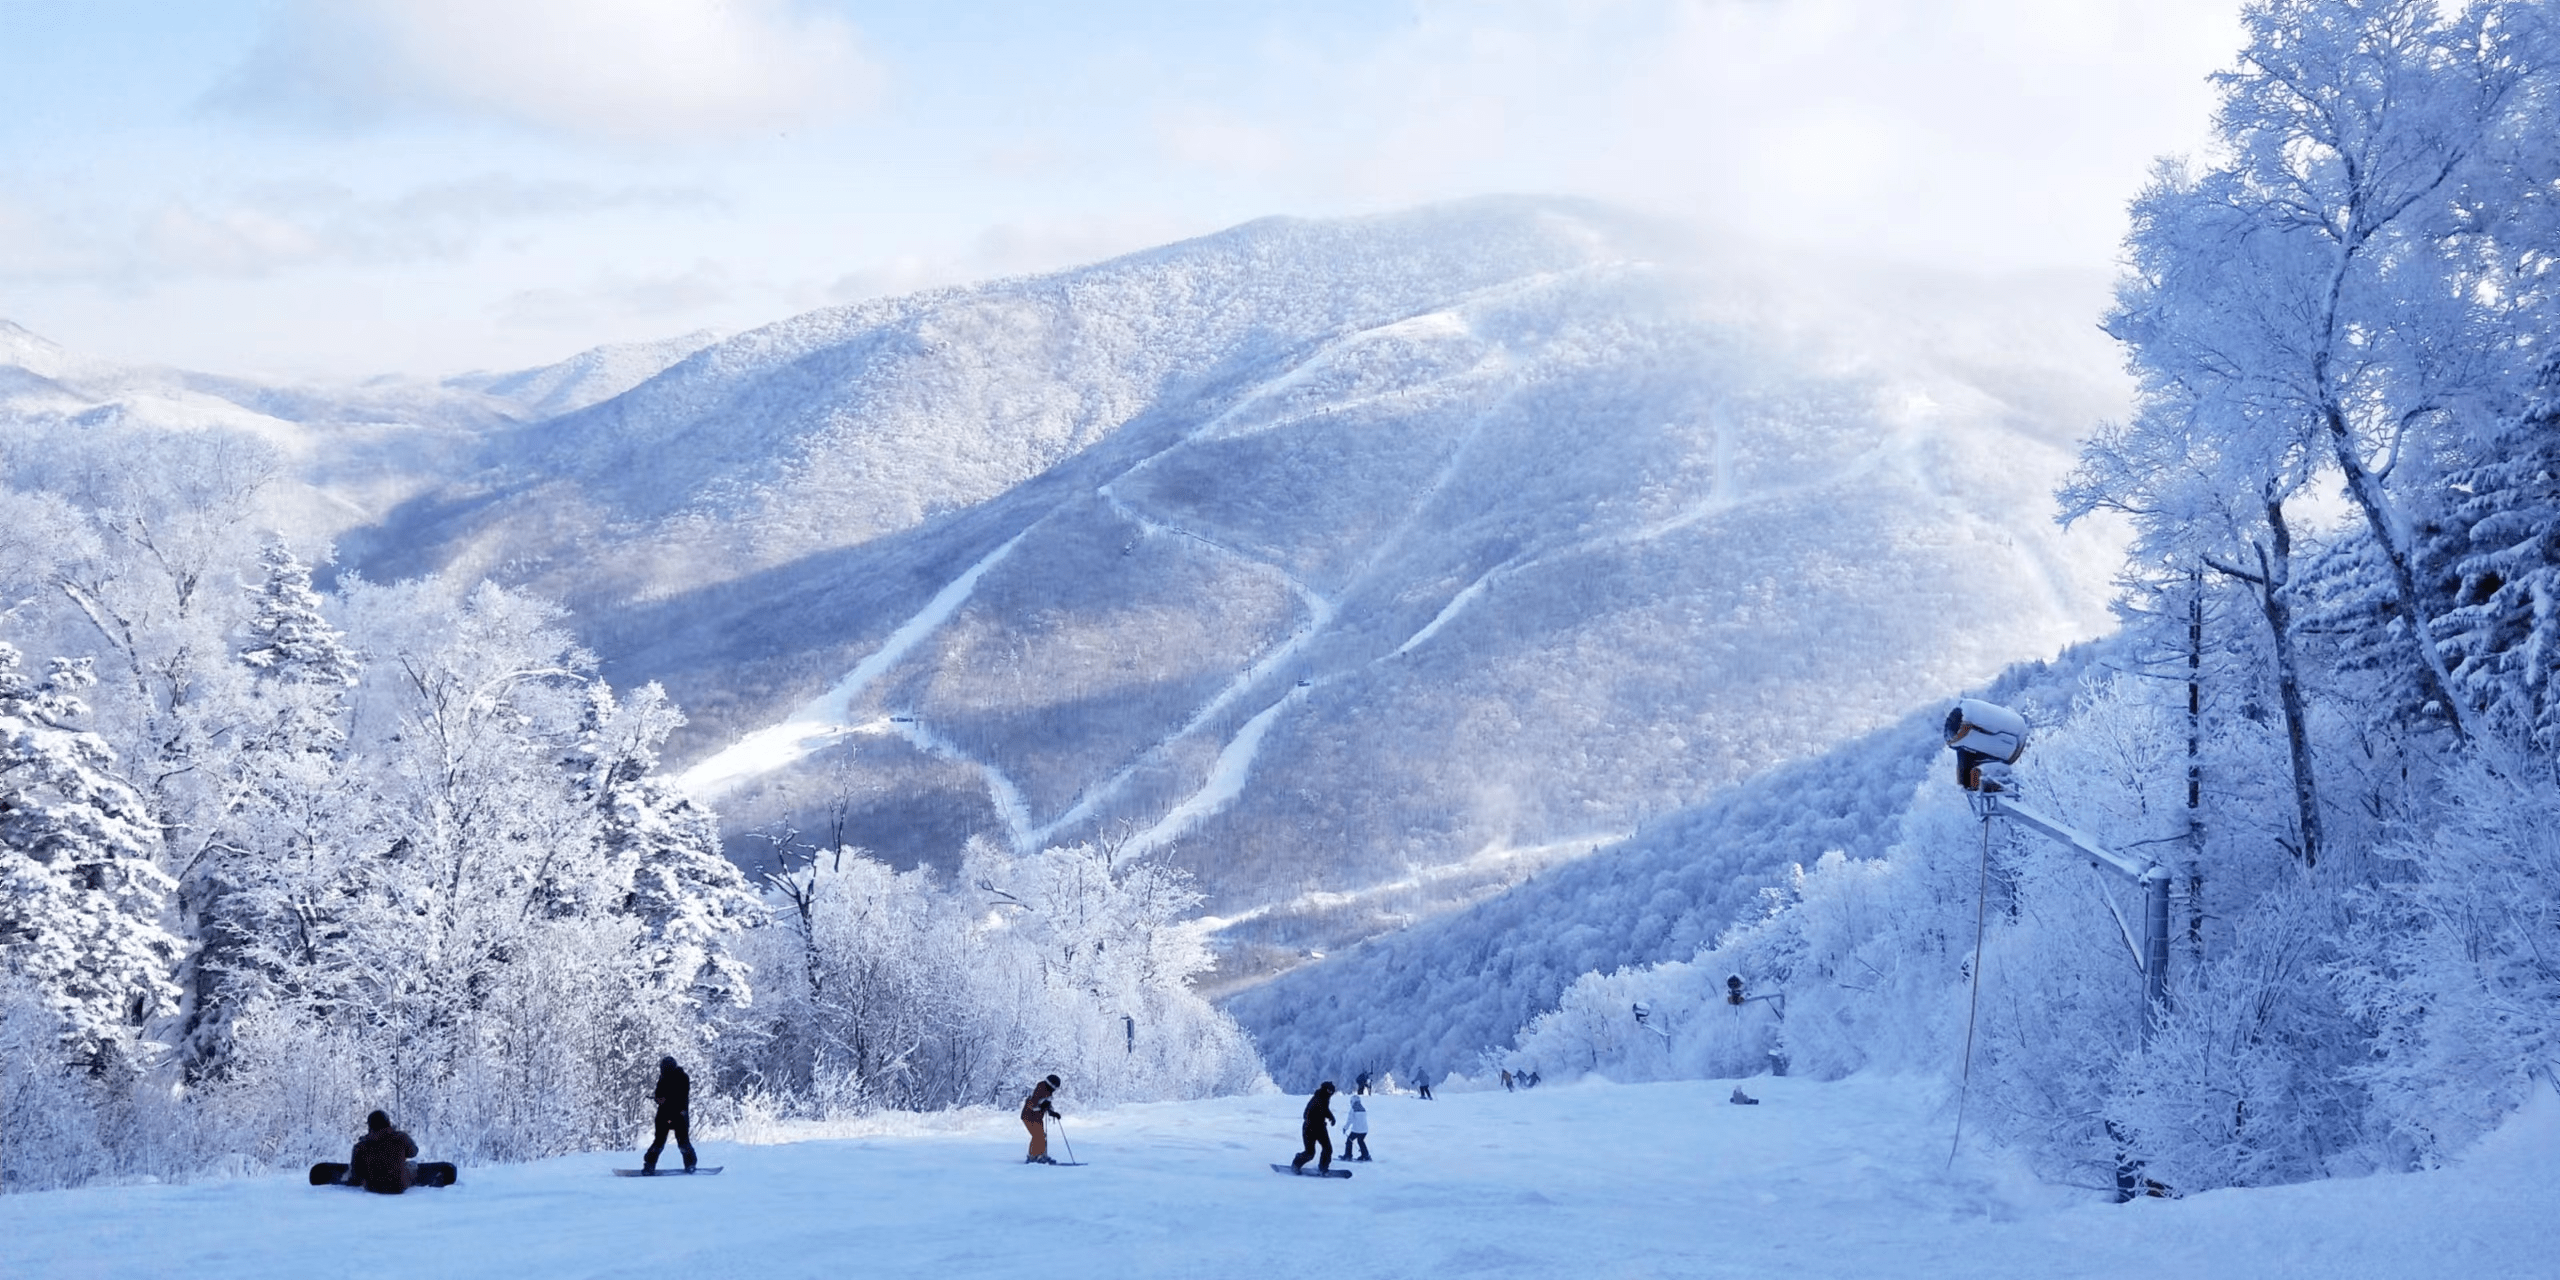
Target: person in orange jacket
x=1035 y=1109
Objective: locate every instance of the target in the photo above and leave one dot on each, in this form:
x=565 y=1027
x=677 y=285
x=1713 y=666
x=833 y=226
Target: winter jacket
x=381 y=1161
x=1359 y=1117
x=1037 y=1105
x=675 y=1090
x=1320 y=1109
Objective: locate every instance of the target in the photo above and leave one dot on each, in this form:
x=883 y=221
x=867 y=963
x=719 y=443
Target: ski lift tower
x=1988 y=738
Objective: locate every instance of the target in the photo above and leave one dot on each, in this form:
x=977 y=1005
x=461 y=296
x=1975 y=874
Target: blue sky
x=344 y=187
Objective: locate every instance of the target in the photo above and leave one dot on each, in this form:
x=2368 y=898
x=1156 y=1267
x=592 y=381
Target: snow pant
x=677 y=1123
x=1039 y=1139
x=1315 y=1138
x=1355 y=1142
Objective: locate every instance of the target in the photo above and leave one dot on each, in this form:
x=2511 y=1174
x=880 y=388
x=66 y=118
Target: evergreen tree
x=688 y=898
x=2499 y=546
x=80 y=897
x=290 y=641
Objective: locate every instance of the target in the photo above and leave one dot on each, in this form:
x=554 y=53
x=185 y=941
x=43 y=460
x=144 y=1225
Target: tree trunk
x=2433 y=679
x=2275 y=571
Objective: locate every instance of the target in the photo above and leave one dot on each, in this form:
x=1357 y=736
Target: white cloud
x=279 y=226
x=617 y=299
x=624 y=69
x=2000 y=131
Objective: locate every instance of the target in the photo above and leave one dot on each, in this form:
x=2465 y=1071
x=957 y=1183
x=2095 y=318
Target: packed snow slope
x=1363 y=566
x=1847 y=1179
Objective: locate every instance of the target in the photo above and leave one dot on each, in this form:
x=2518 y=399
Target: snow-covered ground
x=1590 y=1180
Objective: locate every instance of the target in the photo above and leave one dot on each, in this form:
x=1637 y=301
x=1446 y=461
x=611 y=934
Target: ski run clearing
x=1585 y=1180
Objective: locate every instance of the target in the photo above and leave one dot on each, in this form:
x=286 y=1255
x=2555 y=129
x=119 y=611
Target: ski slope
x=1840 y=1179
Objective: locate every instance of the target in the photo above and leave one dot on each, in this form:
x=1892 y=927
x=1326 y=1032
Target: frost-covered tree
x=262 y=873
x=290 y=639
x=689 y=899
x=2336 y=283
x=2499 y=541
x=81 y=897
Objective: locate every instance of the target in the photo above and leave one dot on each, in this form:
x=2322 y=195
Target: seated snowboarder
x=1355 y=1132
x=381 y=1160
x=1034 y=1109
x=1311 y=1130
x=675 y=1115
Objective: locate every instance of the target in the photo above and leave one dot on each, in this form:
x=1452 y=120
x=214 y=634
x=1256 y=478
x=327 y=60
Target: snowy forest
x=2330 y=705
x=283 y=843
x=275 y=858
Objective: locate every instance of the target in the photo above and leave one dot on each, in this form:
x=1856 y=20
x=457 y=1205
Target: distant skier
x=1311 y=1130
x=1355 y=1132
x=1423 y=1082
x=1506 y=1081
x=1035 y=1110
x=381 y=1159
x=674 y=1095
x=1362 y=1086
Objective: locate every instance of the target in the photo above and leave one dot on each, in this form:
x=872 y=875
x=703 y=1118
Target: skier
x=1506 y=1081
x=675 y=1115
x=381 y=1159
x=1362 y=1086
x=1033 y=1109
x=1311 y=1132
x=1422 y=1081
x=1355 y=1132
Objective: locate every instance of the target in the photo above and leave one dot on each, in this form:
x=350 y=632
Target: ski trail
x=1457 y=605
x=1498 y=865
x=1235 y=760
x=1892 y=454
x=823 y=719
x=1009 y=803
x=1225 y=782
x=1315 y=601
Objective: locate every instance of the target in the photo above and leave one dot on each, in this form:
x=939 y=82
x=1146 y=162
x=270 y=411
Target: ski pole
x=1062 y=1138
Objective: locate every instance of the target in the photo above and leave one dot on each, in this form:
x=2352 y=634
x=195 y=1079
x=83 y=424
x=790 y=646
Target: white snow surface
x=1849 y=1178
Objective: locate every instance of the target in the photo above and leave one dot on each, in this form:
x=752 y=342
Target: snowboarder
x=1355 y=1132
x=675 y=1115
x=380 y=1162
x=1311 y=1130
x=1034 y=1109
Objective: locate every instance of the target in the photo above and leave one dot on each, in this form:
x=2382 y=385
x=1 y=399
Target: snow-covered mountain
x=351 y=453
x=1365 y=566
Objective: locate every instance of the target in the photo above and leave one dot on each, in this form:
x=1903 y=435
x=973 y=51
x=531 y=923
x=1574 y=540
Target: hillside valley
x=1365 y=567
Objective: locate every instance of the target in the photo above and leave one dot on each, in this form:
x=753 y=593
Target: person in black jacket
x=675 y=1111
x=381 y=1159
x=1311 y=1128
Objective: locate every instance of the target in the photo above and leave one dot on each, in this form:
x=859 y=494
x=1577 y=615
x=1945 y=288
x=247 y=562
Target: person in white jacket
x=1355 y=1133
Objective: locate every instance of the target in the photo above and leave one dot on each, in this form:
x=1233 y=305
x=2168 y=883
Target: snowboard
x=430 y=1173
x=665 y=1173
x=1312 y=1172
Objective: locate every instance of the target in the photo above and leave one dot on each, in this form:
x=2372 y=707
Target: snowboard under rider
x=1311 y=1132
x=1355 y=1132
x=381 y=1160
x=674 y=1095
x=1034 y=1109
